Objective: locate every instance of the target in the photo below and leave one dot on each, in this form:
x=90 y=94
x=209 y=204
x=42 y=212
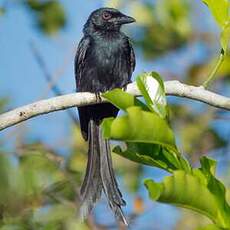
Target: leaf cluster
x=149 y=140
x=50 y=15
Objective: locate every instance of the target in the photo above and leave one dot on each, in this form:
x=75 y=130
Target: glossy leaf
x=123 y=100
x=219 y=10
x=139 y=126
x=199 y=191
x=153 y=155
x=215 y=186
x=225 y=37
x=152 y=89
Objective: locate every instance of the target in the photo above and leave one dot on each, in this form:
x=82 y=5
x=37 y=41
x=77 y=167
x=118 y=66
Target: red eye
x=106 y=16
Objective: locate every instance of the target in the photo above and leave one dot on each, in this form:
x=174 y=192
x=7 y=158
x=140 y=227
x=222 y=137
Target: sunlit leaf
x=199 y=191
x=152 y=88
x=225 y=36
x=132 y=153
x=208 y=166
x=123 y=100
x=139 y=126
x=219 y=10
x=149 y=138
x=216 y=187
x=153 y=155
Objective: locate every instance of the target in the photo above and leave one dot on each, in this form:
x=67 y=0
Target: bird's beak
x=124 y=19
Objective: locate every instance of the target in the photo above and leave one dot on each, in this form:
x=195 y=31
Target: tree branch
x=174 y=88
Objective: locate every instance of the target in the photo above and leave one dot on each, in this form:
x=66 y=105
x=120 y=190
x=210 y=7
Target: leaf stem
x=215 y=69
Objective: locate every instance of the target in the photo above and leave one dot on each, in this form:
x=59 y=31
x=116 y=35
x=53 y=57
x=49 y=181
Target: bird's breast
x=108 y=52
x=109 y=65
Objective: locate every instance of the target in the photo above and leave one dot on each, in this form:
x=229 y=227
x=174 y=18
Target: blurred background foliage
x=49 y=15
x=39 y=186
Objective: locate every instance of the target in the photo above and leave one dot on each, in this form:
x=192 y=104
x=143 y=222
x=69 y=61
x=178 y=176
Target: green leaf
x=2 y=11
x=153 y=155
x=219 y=10
x=133 y=155
x=149 y=139
x=123 y=100
x=209 y=227
x=190 y=191
x=139 y=126
x=208 y=166
x=225 y=37
x=152 y=88
x=50 y=15
x=216 y=187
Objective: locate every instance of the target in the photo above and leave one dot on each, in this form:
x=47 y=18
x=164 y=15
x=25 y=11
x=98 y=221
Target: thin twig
x=214 y=70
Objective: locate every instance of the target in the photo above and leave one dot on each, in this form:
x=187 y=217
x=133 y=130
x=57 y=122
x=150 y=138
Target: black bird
x=104 y=60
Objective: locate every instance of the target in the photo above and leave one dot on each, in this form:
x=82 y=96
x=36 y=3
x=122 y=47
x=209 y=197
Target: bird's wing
x=80 y=59
x=79 y=69
x=132 y=60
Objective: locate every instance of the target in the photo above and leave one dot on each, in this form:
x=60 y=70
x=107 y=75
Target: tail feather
x=92 y=185
x=110 y=186
x=107 y=173
x=100 y=175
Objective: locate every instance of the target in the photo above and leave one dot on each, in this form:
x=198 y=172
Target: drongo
x=104 y=60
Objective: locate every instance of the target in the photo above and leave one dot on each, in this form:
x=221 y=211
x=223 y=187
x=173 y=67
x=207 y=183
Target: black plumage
x=104 y=60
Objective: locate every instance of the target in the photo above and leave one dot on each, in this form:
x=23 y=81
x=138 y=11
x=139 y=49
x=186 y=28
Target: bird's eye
x=106 y=16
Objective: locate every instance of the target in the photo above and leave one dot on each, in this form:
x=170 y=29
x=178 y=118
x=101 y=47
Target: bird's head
x=108 y=19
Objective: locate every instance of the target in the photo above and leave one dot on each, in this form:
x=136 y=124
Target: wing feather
x=79 y=61
x=132 y=59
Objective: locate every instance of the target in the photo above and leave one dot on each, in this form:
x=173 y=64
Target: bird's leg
x=98 y=97
x=124 y=88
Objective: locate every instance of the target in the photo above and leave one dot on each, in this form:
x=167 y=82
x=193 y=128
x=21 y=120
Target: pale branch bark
x=174 y=88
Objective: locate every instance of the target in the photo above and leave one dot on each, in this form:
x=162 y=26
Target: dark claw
x=98 y=97
x=125 y=87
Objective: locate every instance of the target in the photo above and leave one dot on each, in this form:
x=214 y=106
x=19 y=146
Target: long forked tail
x=100 y=176
x=92 y=185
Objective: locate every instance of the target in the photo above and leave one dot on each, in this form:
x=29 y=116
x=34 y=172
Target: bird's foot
x=124 y=88
x=98 y=97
